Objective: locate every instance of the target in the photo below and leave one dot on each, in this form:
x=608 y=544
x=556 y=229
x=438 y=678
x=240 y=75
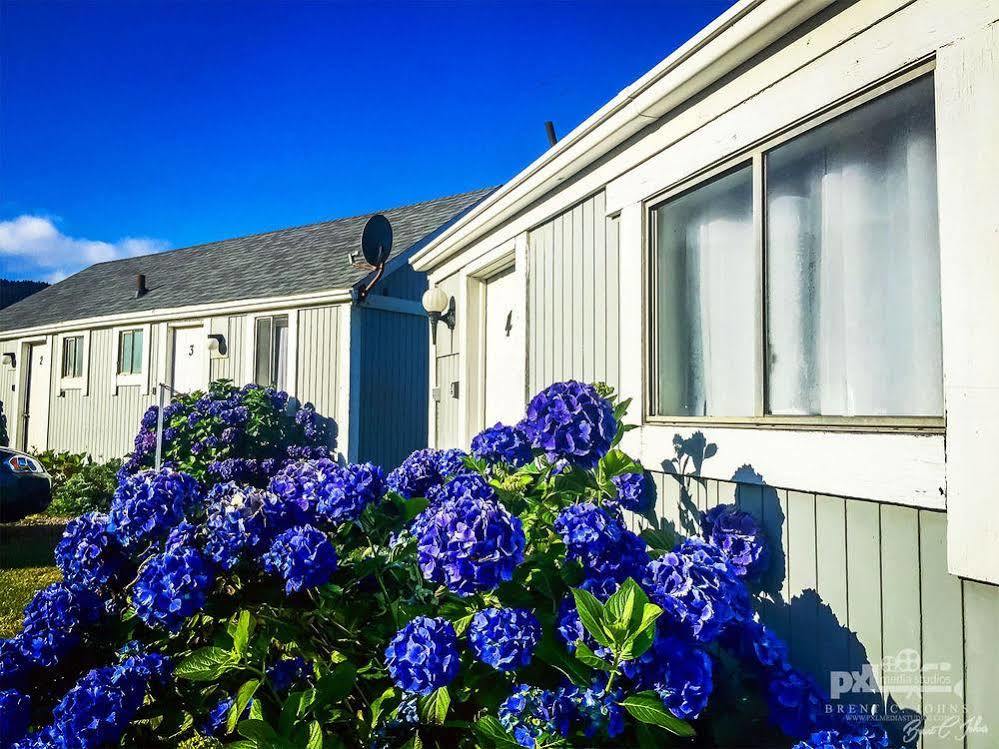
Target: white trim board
x=904 y=469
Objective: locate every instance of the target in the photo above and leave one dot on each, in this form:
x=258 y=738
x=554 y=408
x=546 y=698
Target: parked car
x=25 y=485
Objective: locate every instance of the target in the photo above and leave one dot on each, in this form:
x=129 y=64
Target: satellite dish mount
x=376 y=246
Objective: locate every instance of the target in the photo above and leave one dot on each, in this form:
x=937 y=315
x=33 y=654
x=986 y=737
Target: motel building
x=781 y=243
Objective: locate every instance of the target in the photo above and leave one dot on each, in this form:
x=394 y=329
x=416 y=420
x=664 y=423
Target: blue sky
x=131 y=127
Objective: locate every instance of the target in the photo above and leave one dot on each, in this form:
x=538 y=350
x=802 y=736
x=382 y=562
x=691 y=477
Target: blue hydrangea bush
x=500 y=598
x=230 y=433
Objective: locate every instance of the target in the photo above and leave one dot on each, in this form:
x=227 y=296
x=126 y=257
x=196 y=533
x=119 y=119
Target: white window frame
x=249 y=361
x=81 y=383
x=754 y=157
x=139 y=379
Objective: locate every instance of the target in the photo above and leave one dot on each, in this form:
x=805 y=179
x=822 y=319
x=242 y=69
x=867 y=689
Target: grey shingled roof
x=299 y=260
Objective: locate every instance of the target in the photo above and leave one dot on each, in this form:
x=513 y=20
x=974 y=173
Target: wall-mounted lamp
x=10 y=359
x=216 y=344
x=440 y=308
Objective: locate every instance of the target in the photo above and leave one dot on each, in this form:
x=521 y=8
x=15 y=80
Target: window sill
x=73 y=383
x=130 y=380
x=895 y=466
x=854 y=424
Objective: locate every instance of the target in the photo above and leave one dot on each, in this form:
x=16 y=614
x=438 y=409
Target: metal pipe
x=552 y=138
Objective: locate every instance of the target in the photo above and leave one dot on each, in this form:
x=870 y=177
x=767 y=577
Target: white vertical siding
x=319 y=331
x=104 y=422
x=229 y=367
x=854 y=582
x=573 y=297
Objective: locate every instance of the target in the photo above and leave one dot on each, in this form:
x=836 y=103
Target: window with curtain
x=271 y=352
x=72 y=356
x=853 y=264
x=851 y=300
x=130 y=352
x=706 y=300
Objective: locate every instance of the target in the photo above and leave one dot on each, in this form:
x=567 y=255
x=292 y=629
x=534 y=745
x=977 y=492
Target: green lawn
x=25 y=566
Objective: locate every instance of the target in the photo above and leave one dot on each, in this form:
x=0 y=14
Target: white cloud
x=35 y=245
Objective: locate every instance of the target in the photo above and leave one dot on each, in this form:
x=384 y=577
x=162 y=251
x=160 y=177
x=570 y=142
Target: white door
x=36 y=415
x=188 y=359
x=504 y=400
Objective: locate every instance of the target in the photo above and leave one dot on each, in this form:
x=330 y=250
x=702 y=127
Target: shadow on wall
x=820 y=644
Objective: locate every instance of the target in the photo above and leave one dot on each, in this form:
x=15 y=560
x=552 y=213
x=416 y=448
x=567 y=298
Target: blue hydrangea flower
x=739 y=537
x=504 y=638
x=866 y=737
x=597 y=709
x=449 y=462
x=758 y=645
x=235 y=522
x=570 y=421
x=14 y=666
x=171 y=587
x=530 y=713
x=287 y=673
x=423 y=655
x=502 y=444
x=303 y=556
x=87 y=555
x=677 y=668
x=601 y=544
x=184 y=534
x=305 y=484
x=698 y=590
x=148 y=504
x=681 y=676
x=15 y=715
x=54 y=621
x=470 y=544
x=797 y=704
x=395 y=727
x=424 y=469
x=463 y=486
x=215 y=721
x=354 y=488
x=634 y=492
x=152 y=668
x=96 y=711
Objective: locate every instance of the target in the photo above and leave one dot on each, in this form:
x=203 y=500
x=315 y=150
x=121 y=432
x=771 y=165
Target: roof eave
x=734 y=37
x=169 y=314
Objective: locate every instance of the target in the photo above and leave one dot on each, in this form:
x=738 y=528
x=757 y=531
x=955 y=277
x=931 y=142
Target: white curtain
x=853 y=265
x=708 y=301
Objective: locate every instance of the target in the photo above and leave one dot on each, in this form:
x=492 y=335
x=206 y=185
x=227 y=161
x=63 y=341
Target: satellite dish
x=376 y=240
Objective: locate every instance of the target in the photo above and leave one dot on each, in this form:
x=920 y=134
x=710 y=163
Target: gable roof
x=300 y=260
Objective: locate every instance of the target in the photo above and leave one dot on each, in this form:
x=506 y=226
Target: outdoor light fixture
x=10 y=359
x=440 y=308
x=216 y=344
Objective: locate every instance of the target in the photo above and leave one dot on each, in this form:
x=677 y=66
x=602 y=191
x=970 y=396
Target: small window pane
x=707 y=300
x=125 y=353
x=72 y=356
x=853 y=274
x=262 y=364
x=136 y=352
x=280 y=364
